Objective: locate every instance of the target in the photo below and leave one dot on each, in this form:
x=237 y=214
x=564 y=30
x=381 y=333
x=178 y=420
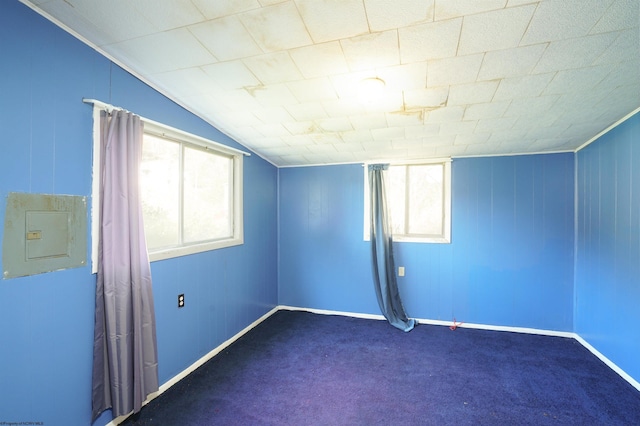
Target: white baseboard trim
x=184 y=373
x=524 y=330
x=175 y=379
x=437 y=322
x=633 y=382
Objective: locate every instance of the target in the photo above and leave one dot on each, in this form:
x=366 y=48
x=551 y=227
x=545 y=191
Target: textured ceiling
x=461 y=77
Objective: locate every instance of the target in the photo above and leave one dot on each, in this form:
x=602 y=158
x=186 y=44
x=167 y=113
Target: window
x=191 y=195
x=191 y=191
x=419 y=202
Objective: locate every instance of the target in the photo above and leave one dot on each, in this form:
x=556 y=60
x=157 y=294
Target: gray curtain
x=384 y=270
x=125 y=359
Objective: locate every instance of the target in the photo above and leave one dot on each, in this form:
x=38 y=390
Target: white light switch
x=401 y=271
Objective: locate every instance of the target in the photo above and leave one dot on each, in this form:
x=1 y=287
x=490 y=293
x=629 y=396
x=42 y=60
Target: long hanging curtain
x=384 y=277
x=125 y=356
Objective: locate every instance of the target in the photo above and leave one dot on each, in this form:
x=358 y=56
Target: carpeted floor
x=299 y=368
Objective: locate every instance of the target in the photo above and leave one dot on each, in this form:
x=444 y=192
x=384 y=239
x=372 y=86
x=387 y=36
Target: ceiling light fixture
x=371 y=89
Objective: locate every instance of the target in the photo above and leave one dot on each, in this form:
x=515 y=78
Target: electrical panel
x=43 y=233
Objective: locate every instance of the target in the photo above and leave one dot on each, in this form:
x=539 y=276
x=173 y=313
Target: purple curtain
x=125 y=356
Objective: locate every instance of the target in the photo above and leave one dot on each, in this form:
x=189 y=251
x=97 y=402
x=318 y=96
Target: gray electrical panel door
x=43 y=233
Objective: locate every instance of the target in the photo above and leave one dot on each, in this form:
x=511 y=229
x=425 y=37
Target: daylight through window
x=419 y=201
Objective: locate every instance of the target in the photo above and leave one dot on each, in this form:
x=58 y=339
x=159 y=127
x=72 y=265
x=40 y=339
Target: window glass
x=160 y=191
x=208 y=185
x=419 y=202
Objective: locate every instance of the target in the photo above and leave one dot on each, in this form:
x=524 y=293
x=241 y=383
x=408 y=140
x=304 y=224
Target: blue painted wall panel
x=607 y=287
x=324 y=262
x=510 y=261
x=46 y=323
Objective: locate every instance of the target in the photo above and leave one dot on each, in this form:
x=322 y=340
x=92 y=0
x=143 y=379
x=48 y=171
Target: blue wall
x=510 y=262
x=607 y=313
x=46 y=321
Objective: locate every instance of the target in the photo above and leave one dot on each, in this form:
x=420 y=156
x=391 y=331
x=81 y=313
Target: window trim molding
x=446 y=238
x=168 y=132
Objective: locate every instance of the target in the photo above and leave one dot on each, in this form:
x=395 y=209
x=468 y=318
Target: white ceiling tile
x=343 y=107
x=348 y=85
x=495 y=30
x=518 y=61
x=472 y=93
x=426 y=98
x=357 y=136
x=404 y=77
x=166 y=15
x=486 y=110
x=231 y=75
x=492 y=125
x=405 y=118
x=563 y=19
x=439 y=140
x=421 y=131
x=576 y=80
x=511 y=3
x=273 y=68
x=274 y=95
x=573 y=73
x=623 y=14
x=234 y=100
x=388 y=102
x=459 y=128
x=215 y=35
x=306 y=111
x=531 y=106
x=271 y=129
x=164 y=51
x=335 y=124
x=471 y=139
x=453 y=8
x=273 y=114
x=218 y=8
x=277 y=27
x=622 y=74
x=573 y=53
x=314 y=90
x=406 y=143
x=320 y=60
x=450 y=150
x=301 y=127
x=522 y=87
x=457 y=70
x=623 y=48
x=349 y=147
x=544 y=132
x=383 y=14
x=368 y=121
x=243 y=119
x=185 y=82
x=298 y=141
x=429 y=41
x=329 y=20
x=445 y=114
x=371 y=51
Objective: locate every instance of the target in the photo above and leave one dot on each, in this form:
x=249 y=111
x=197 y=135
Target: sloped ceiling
x=340 y=81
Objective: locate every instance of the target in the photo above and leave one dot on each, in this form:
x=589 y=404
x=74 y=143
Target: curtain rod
x=109 y=108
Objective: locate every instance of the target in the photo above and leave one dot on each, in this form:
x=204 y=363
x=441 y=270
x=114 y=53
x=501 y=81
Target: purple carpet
x=299 y=368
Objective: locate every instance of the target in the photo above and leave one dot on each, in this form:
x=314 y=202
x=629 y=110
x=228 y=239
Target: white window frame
x=445 y=238
x=175 y=135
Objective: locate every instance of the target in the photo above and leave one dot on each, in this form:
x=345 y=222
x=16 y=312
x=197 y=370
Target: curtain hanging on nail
x=125 y=359
x=384 y=277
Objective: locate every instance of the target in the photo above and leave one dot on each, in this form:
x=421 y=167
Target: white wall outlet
x=401 y=271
